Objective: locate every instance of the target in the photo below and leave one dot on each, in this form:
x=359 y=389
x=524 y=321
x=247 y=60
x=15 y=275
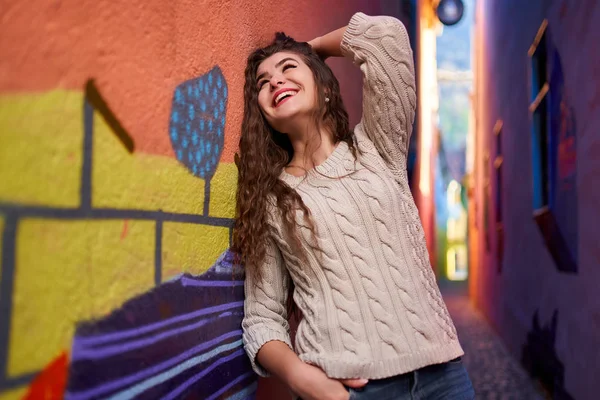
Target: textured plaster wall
x=119 y=122
x=527 y=281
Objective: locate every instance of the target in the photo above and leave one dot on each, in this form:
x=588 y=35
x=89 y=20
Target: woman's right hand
x=311 y=383
x=305 y=380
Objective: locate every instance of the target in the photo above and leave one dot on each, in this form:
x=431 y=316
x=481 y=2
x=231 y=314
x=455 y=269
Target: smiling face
x=286 y=90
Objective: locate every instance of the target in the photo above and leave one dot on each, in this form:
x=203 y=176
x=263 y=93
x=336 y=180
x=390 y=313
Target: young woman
x=326 y=214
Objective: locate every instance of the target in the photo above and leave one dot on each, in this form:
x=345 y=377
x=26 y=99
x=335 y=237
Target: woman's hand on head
x=328 y=45
x=317 y=48
x=314 y=43
x=311 y=383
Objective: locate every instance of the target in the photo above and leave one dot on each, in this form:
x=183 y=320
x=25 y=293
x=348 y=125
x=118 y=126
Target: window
x=553 y=153
x=498 y=160
x=539 y=109
x=486 y=198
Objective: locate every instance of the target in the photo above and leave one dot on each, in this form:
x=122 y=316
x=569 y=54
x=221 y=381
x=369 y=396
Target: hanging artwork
x=498 y=203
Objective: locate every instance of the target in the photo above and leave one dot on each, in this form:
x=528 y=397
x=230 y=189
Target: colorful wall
x=534 y=206
x=117 y=191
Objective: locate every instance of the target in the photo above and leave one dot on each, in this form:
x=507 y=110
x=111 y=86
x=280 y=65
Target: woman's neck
x=310 y=152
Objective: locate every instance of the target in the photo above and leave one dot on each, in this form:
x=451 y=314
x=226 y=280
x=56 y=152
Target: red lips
x=277 y=93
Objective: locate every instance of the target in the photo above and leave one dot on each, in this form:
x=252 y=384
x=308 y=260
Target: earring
x=326 y=99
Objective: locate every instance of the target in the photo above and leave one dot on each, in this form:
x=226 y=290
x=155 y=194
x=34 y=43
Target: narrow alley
x=495 y=373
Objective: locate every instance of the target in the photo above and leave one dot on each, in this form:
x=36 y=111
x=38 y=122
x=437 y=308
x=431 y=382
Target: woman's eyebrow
x=282 y=61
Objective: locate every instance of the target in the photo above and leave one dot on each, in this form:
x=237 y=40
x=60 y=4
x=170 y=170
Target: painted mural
x=134 y=293
x=540 y=357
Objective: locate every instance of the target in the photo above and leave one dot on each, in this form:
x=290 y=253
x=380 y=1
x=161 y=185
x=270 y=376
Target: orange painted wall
x=139 y=51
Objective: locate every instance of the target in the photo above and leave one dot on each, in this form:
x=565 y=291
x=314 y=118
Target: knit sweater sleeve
x=380 y=47
x=265 y=314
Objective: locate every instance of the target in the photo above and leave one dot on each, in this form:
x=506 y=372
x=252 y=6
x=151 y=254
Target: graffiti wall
x=119 y=124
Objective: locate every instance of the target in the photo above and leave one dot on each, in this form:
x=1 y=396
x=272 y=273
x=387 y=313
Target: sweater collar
x=328 y=168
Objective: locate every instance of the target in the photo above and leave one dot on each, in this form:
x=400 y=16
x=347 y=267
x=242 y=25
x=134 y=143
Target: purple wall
x=549 y=319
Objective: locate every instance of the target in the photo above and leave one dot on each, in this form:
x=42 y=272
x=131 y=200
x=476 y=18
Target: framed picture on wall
x=498 y=203
x=486 y=199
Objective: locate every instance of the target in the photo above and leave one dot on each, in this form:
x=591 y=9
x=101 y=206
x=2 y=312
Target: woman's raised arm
x=380 y=47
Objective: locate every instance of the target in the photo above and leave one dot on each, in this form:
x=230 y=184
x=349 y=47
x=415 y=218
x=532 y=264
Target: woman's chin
x=284 y=119
x=289 y=112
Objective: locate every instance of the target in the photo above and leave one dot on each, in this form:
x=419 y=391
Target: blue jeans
x=447 y=381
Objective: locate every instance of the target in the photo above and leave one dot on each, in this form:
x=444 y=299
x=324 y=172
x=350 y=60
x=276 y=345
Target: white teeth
x=282 y=95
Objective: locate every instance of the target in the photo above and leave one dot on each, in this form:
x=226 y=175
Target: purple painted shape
x=562 y=161
x=110 y=337
x=80 y=352
x=231 y=384
x=182 y=388
x=146 y=373
x=185 y=281
x=160 y=330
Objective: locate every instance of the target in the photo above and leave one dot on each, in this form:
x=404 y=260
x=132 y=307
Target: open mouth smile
x=282 y=95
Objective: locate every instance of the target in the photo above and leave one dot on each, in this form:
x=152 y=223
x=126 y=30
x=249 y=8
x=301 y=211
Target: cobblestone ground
x=495 y=374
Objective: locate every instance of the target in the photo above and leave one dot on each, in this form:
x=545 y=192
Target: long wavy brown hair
x=264 y=152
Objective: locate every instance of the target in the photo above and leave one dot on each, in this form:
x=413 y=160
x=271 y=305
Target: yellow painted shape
x=69 y=271
x=223 y=191
x=40 y=148
x=191 y=248
x=14 y=394
x=140 y=181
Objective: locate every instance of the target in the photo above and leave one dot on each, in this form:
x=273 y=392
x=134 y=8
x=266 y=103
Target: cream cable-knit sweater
x=370 y=303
